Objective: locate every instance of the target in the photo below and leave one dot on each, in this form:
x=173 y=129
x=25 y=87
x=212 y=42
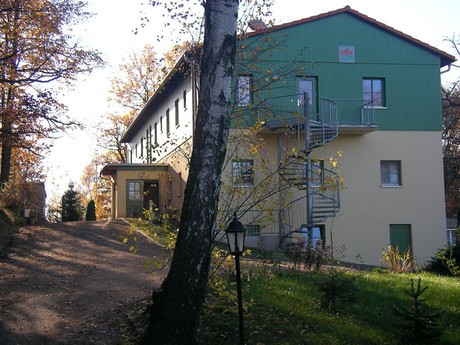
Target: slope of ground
x=73 y=283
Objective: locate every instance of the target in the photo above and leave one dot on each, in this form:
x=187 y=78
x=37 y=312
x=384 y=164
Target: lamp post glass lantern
x=236 y=234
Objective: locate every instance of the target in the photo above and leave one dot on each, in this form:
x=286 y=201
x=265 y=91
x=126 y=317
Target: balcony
x=348 y=116
x=356 y=117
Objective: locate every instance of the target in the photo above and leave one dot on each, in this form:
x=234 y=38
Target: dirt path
x=72 y=283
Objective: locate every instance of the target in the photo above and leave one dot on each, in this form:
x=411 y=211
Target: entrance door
x=151 y=195
x=308 y=86
x=134 y=198
x=313 y=235
x=401 y=237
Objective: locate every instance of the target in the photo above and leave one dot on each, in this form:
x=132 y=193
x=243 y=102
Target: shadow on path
x=71 y=283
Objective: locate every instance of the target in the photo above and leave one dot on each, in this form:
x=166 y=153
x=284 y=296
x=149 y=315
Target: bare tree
x=451 y=139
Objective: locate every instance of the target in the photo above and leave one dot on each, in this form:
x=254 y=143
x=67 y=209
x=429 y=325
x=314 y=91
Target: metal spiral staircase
x=317 y=196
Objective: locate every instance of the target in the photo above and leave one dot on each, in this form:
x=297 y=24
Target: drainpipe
x=447 y=70
x=194 y=95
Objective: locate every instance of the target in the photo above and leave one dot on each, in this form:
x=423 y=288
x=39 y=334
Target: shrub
x=335 y=285
x=302 y=255
x=446 y=261
x=91 y=211
x=398 y=262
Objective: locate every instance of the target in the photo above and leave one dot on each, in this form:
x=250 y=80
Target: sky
x=111 y=31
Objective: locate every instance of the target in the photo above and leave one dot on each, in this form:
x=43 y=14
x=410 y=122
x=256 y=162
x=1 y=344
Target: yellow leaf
x=125 y=240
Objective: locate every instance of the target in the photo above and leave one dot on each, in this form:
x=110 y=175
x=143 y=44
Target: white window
x=168 y=128
x=252 y=229
x=452 y=237
x=185 y=99
x=244 y=90
x=374 y=91
x=176 y=112
x=243 y=172
x=134 y=190
x=305 y=90
x=390 y=173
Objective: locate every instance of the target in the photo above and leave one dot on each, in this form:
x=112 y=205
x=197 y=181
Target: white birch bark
x=176 y=310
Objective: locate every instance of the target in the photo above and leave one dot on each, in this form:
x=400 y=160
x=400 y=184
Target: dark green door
x=134 y=200
x=401 y=237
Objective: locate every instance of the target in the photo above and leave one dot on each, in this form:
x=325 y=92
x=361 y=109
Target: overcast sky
x=111 y=31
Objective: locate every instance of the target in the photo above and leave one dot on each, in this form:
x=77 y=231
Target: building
x=336 y=135
x=34 y=199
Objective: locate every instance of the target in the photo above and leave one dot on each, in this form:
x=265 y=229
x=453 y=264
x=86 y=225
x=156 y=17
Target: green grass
x=284 y=308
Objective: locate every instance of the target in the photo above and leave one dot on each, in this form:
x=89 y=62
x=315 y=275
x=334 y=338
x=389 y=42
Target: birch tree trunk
x=176 y=309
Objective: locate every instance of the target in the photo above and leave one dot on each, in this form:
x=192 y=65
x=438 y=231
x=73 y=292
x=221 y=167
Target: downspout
x=194 y=95
x=447 y=70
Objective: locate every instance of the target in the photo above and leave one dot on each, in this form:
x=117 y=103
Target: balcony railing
x=356 y=115
x=343 y=114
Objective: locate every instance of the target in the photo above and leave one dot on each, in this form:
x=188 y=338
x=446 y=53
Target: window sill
x=376 y=108
x=390 y=186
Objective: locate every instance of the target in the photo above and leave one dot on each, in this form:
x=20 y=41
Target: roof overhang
x=111 y=169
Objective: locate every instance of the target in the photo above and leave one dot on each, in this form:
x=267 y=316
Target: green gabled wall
x=411 y=72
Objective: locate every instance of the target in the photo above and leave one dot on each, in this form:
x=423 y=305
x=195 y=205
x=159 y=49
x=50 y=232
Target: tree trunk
x=5 y=161
x=176 y=309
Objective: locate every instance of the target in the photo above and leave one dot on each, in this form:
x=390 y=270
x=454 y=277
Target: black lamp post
x=236 y=234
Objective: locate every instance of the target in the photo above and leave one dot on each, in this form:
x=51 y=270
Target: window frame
x=134 y=190
x=386 y=176
x=168 y=126
x=252 y=229
x=241 y=178
x=176 y=112
x=368 y=96
x=452 y=236
x=184 y=95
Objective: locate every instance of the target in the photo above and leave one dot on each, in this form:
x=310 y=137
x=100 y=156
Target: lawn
x=283 y=307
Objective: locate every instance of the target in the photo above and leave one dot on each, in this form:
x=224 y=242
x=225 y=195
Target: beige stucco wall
x=361 y=229
x=165 y=187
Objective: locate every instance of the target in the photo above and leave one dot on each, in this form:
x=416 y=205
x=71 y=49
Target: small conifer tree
x=71 y=208
x=417 y=326
x=91 y=211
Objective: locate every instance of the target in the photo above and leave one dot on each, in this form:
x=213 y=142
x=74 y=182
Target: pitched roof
x=446 y=58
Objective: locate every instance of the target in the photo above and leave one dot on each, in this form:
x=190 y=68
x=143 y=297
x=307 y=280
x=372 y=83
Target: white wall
x=178 y=134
